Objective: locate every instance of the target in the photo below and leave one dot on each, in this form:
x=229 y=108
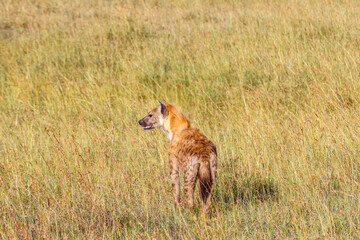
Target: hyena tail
x=207 y=175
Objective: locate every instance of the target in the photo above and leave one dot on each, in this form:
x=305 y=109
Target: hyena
x=189 y=151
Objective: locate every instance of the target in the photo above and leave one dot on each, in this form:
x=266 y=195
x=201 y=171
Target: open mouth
x=148 y=127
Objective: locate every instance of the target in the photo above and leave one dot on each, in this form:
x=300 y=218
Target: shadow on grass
x=247 y=189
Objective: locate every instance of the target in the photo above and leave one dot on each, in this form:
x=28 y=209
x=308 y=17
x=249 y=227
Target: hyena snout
x=145 y=123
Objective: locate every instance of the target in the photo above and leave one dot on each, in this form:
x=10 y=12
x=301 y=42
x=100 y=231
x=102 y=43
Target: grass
x=274 y=84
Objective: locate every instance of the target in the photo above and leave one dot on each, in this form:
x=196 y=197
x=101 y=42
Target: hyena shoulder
x=191 y=143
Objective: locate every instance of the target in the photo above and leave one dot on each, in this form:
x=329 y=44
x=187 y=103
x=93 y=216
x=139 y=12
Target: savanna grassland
x=274 y=84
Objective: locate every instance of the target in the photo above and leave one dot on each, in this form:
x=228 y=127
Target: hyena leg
x=190 y=182
x=205 y=185
x=175 y=183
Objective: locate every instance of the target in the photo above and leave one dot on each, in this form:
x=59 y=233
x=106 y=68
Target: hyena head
x=155 y=118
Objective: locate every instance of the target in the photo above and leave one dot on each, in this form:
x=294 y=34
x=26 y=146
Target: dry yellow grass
x=275 y=85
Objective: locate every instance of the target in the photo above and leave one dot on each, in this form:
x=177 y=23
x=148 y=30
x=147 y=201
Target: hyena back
x=189 y=151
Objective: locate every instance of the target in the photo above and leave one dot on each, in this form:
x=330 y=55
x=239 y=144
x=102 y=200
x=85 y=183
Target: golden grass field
x=273 y=83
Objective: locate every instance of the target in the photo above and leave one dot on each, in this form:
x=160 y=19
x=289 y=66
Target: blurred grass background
x=275 y=85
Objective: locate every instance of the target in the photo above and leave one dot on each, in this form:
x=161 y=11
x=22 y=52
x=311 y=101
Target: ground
x=274 y=84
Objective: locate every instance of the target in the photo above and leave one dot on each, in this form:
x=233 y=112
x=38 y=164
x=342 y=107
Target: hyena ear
x=163 y=109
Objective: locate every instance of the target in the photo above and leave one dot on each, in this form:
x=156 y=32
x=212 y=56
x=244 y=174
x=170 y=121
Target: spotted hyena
x=189 y=151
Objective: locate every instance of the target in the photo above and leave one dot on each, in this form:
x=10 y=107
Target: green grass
x=274 y=84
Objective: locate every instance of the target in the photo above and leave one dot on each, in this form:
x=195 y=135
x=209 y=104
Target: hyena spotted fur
x=189 y=150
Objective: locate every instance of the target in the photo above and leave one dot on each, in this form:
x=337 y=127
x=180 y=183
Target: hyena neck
x=174 y=123
x=169 y=134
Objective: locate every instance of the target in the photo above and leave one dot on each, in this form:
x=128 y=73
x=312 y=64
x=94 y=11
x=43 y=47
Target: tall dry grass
x=275 y=85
